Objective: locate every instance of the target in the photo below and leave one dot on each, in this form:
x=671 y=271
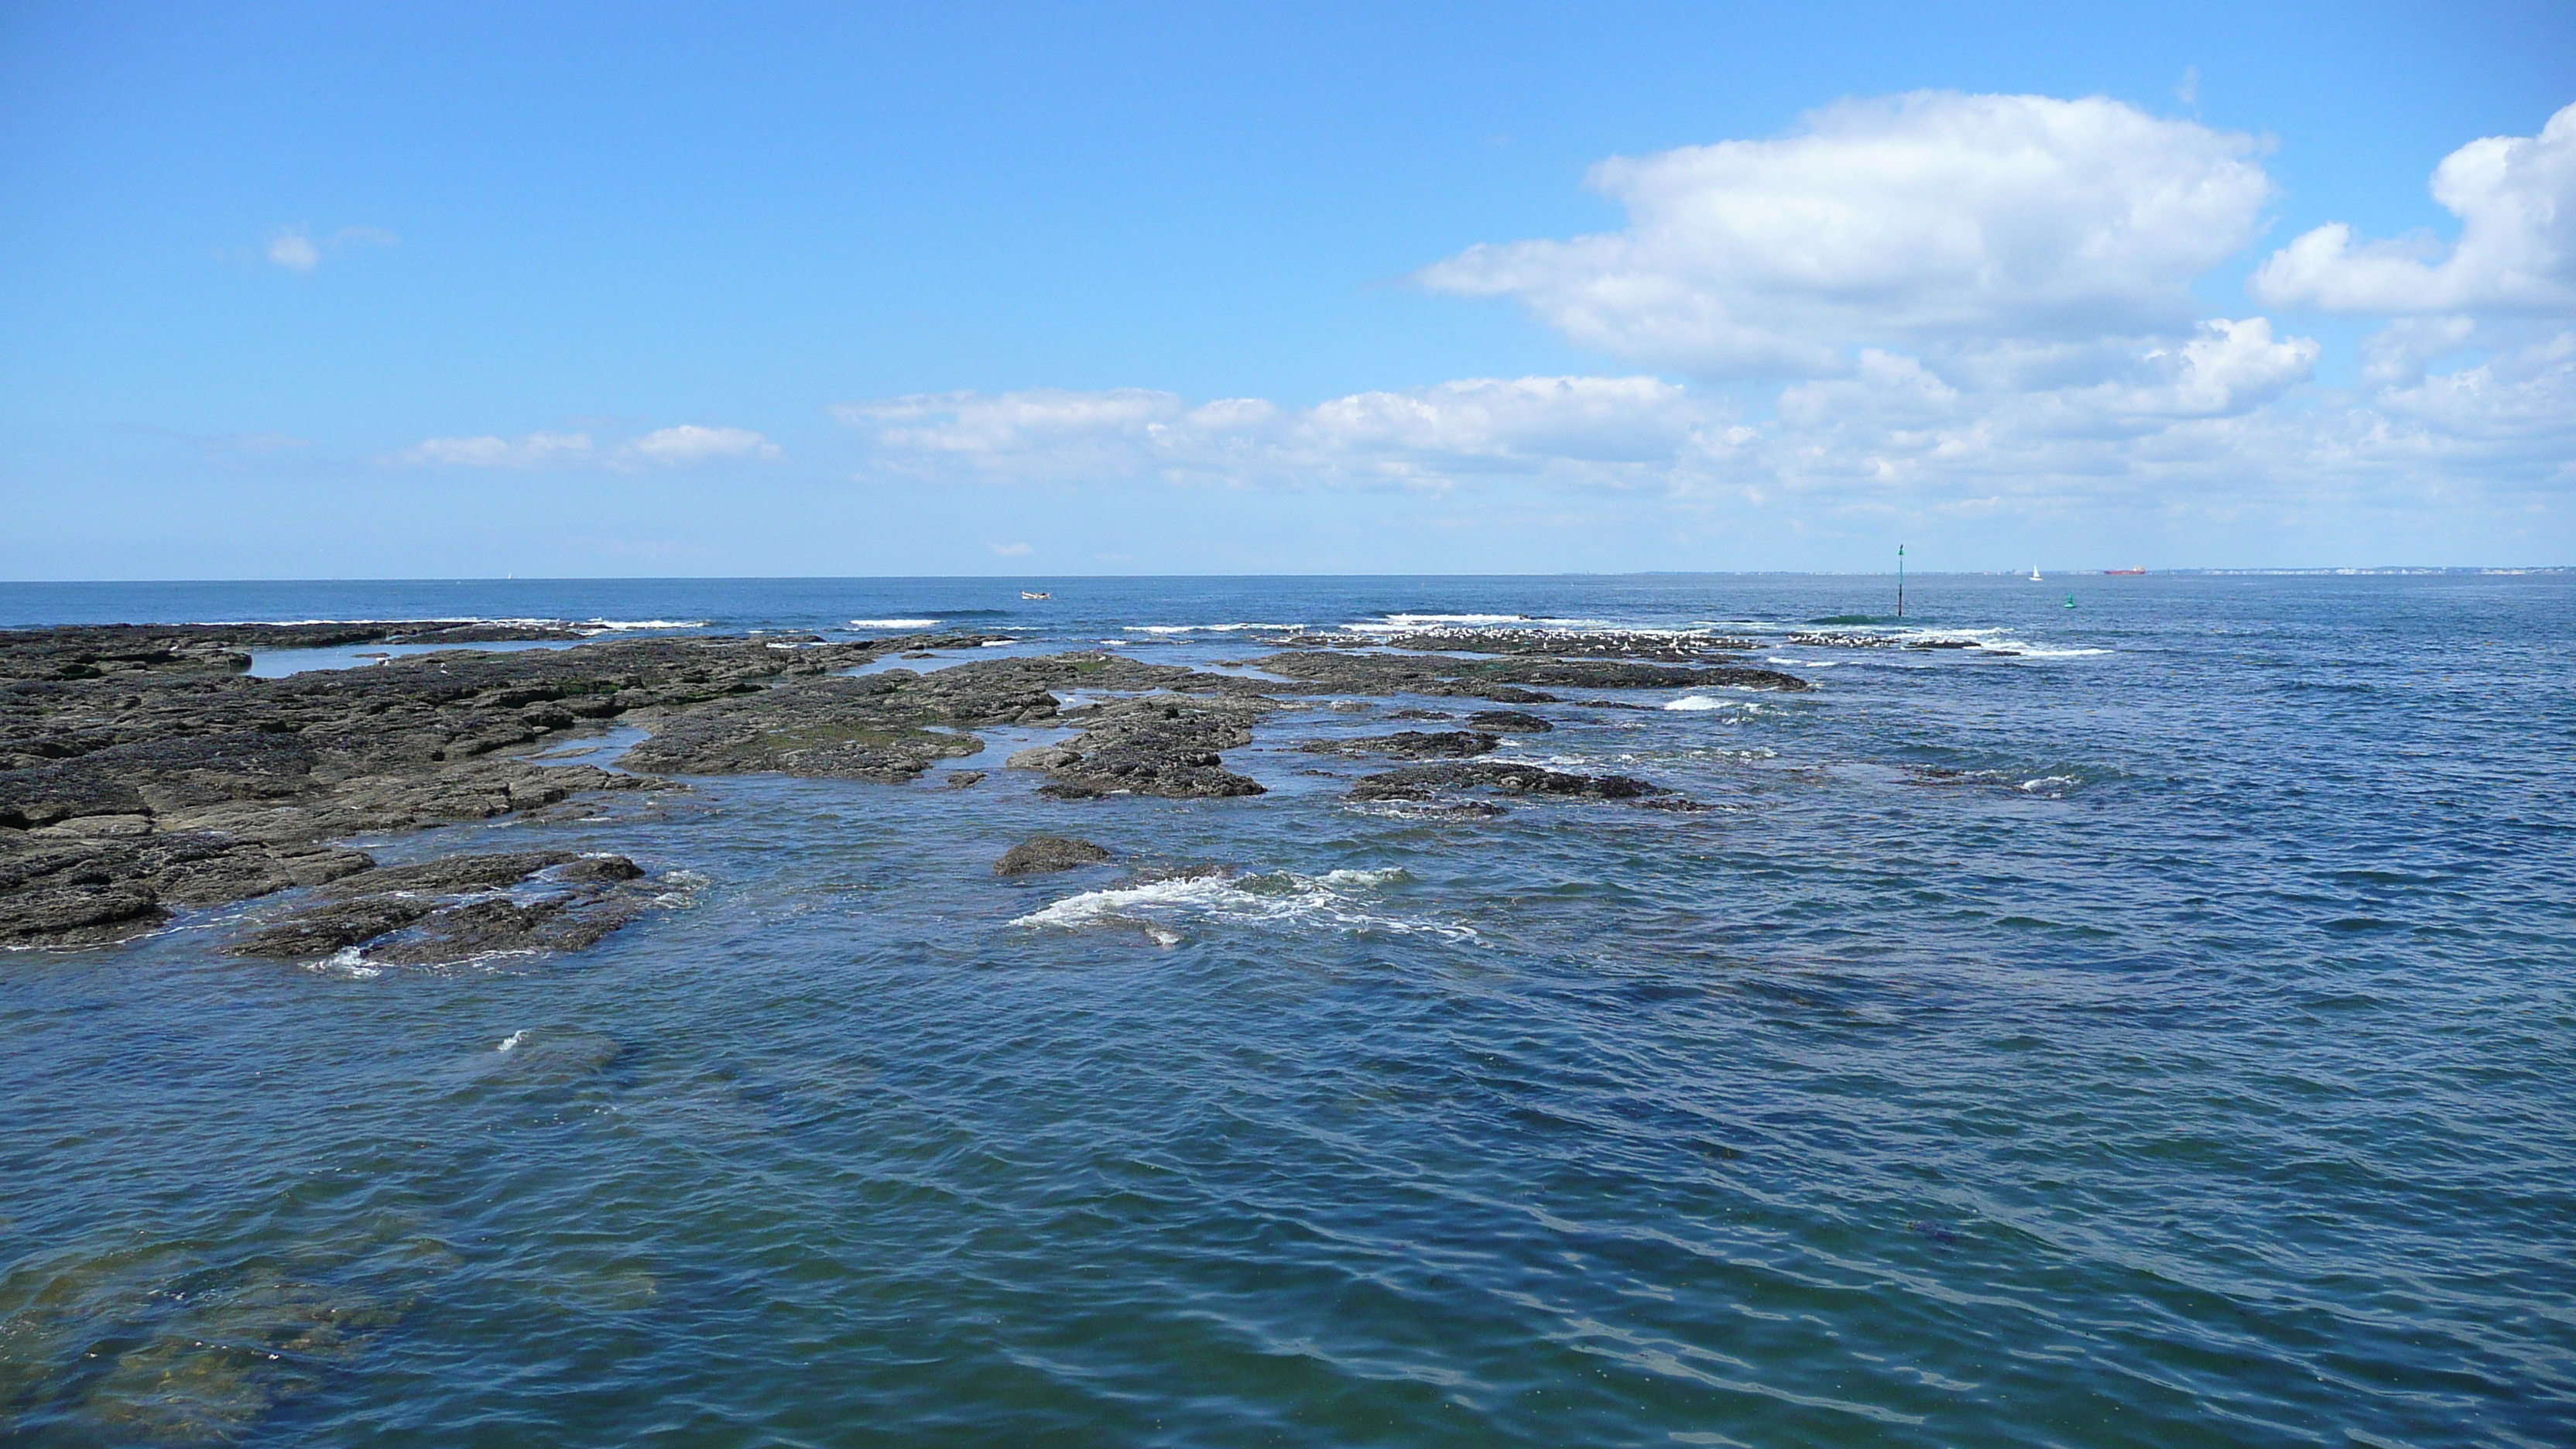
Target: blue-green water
x=2194 y=1068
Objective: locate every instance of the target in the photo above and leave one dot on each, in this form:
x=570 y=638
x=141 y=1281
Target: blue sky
x=298 y=291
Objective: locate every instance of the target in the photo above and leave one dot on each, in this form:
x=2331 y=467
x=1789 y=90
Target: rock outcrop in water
x=141 y=770
x=1423 y=782
x=1163 y=745
x=1045 y=854
x=452 y=908
x=1410 y=745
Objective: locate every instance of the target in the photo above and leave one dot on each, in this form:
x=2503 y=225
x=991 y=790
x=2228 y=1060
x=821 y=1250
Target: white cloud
x=2515 y=197
x=296 y=251
x=1009 y=550
x=690 y=444
x=1621 y=431
x=2200 y=426
x=1932 y=221
x=537 y=450
x=687 y=445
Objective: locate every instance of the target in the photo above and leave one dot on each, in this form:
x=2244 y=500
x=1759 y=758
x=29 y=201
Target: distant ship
x=2125 y=573
x=1025 y=594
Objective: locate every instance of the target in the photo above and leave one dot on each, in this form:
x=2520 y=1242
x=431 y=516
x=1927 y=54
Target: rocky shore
x=142 y=770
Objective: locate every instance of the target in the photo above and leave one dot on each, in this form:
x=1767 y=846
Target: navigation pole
x=1900 y=581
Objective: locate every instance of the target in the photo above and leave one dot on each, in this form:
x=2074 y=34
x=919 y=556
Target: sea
x=2153 y=1023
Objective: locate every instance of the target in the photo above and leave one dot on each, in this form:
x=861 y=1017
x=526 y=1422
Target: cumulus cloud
x=2198 y=423
x=2515 y=197
x=1932 y=221
x=684 y=446
x=297 y=251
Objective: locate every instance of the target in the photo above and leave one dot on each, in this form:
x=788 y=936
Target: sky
x=352 y=291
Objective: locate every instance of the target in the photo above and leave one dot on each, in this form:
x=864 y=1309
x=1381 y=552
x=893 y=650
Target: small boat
x=1025 y=594
x=2034 y=574
x=2126 y=573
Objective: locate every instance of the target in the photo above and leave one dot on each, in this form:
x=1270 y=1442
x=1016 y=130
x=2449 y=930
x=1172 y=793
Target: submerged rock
x=1043 y=854
x=497 y=926
x=412 y=914
x=323 y=930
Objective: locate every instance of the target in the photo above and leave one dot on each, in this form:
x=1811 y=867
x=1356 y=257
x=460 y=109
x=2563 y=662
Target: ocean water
x=2153 y=1027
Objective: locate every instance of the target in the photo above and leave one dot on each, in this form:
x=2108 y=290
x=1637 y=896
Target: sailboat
x=2034 y=574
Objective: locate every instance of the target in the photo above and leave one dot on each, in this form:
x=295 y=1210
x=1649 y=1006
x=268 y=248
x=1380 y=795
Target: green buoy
x=2070 y=601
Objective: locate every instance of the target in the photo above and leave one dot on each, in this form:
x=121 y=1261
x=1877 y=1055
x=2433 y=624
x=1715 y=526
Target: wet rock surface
x=1411 y=745
x=1425 y=782
x=142 y=771
x=828 y=728
x=455 y=908
x=1044 y=854
x=1164 y=745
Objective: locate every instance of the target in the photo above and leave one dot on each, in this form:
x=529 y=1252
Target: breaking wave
x=1164 y=911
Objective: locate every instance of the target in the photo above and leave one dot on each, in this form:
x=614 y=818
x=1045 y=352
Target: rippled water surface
x=2157 y=1034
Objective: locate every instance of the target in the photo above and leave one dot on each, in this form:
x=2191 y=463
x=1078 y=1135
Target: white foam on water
x=346 y=962
x=1162 y=909
x=637 y=623
x=2047 y=780
x=1706 y=701
x=2037 y=651
x=894 y=623
x=1202 y=628
x=511 y=1042
x=1406 y=623
x=1805 y=663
